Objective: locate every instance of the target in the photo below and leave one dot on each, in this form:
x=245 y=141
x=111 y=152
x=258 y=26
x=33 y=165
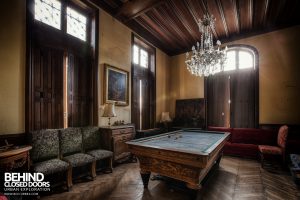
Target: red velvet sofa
x=244 y=141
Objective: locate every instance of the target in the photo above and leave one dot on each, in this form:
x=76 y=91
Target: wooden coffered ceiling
x=171 y=25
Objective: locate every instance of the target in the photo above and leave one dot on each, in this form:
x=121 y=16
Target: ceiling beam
x=185 y=18
x=134 y=8
x=251 y=13
x=266 y=8
x=157 y=22
x=172 y=24
x=221 y=11
x=236 y=16
x=153 y=28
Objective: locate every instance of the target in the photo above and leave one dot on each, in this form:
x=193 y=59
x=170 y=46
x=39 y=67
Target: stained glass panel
x=231 y=61
x=76 y=24
x=144 y=58
x=135 y=54
x=48 y=12
x=246 y=60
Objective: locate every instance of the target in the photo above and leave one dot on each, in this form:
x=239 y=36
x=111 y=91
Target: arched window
x=239 y=58
x=232 y=96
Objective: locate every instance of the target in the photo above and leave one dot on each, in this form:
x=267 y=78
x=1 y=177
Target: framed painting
x=116 y=85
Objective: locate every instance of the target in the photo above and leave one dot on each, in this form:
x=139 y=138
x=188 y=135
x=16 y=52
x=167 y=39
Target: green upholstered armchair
x=92 y=145
x=45 y=154
x=72 y=152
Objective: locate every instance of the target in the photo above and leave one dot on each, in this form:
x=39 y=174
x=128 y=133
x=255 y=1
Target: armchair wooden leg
x=69 y=178
x=261 y=159
x=93 y=170
x=111 y=164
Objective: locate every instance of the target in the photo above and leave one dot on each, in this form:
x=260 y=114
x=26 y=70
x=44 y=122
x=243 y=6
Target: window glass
x=246 y=60
x=48 y=12
x=135 y=54
x=144 y=58
x=76 y=24
x=231 y=61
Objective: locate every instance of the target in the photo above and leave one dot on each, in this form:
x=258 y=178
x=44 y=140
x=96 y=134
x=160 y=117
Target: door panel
x=217 y=100
x=47 y=84
x=243 y=99
x=79 y=91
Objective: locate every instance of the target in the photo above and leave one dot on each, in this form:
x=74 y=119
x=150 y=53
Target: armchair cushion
x=79 y=159
x=100 y=154
x=91 y=138
x=51 y=166
x=45 y=144
x=272 y=150
x=70 y=141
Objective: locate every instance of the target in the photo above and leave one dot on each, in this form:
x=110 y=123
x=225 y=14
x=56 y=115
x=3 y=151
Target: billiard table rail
x=140 y=142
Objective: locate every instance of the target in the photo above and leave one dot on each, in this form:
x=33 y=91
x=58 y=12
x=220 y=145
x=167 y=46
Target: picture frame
x=116 y=85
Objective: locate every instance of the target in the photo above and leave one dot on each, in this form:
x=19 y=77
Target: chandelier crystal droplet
x=205 y=59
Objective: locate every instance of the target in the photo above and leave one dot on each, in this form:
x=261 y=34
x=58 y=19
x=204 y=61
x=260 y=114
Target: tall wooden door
x=218 y=97
x=79 y=90
x=47 y=86
x=243 y=99
x=141 y=103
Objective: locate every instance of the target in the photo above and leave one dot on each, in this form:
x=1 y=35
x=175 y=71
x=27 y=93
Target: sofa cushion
x=266 y=149
x=70 y=141
x=253 y=136
x=239 y=149
x=45 y=144
x=51 y=166
x=91 y=138
x=100 y=154
x=79 y=159
x=282 y=136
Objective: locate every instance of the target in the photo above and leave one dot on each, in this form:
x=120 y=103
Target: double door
x=60 y=89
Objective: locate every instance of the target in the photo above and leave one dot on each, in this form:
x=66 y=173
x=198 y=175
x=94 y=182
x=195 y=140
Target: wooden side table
x=114 y=138
x=15 y=157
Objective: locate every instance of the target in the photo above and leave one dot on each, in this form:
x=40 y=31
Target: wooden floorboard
x=235 y=179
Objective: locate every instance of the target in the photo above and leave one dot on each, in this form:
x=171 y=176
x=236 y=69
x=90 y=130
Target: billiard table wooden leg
x=145 y=178
x=193 y=186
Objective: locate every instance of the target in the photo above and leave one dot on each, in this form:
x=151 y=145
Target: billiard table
x=185 y=155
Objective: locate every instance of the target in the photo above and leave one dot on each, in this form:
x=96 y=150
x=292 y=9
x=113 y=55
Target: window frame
x=58 y=39
x=242 y=48
x=150 y=71
x=256 y=71
x=140 y=48
x=63 y=21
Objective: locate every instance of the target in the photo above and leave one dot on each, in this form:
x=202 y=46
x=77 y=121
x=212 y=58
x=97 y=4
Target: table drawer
x=122 y=131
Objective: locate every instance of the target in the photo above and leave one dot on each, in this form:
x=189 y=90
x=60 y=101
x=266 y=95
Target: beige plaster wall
x=115 y=49
x=183 y=84
x=12 y=66
x=279 y=70
x=162 y=83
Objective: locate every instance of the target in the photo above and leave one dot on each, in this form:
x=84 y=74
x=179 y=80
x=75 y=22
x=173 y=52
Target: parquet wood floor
x=236 y=179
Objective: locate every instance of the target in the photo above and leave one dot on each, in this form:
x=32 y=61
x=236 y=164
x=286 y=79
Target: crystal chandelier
x=206 y=59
